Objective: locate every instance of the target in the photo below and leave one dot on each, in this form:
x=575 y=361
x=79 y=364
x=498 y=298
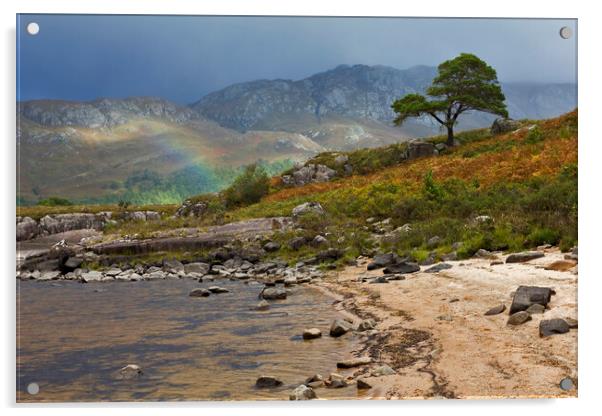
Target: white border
x=590 y=146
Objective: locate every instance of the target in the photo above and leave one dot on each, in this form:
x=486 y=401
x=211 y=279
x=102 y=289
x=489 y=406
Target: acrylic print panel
x=275 y=208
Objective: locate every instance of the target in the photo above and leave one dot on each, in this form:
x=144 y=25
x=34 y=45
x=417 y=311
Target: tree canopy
x=462 y=84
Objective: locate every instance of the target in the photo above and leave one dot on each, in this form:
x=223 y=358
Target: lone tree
x=464 y=83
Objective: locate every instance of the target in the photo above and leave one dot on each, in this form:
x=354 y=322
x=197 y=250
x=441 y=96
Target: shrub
x=54 y=201
x=541 y=236
x=248 y=188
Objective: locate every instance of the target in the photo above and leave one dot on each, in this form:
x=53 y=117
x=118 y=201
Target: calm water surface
x=72 y=338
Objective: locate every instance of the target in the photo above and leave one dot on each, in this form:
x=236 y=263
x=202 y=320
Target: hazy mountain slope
x=363 y=92
x=153 y=150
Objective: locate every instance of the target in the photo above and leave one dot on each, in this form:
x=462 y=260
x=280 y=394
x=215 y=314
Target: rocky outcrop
x=525 y=296
x=504 y=125
x=190 y=208
x=308 y=174
x=28 y=228
x=308 y=208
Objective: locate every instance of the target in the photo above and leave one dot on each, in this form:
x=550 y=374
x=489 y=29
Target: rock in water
x=363 y=384
x=302 y=393
x=199 y=292
x=496 y=310
x=267 y=382
x=354 y=362
x=311 y=333
x=217 y=289
x=549 y=327
x=337 y=384
x=519 y=318
x=439 y=267
x=129 y=372
x=402 y=268
x=273 y=293
x=524 y=256
x=262 y=306
x=339 y=327
x=526 y=296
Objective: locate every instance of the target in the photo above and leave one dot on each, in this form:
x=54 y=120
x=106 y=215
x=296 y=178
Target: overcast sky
x=83 y=57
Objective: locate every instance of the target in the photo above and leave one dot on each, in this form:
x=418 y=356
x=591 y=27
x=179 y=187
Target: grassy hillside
x=524 y=182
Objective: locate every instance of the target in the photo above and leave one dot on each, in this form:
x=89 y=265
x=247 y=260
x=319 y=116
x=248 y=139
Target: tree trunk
x=450 y=136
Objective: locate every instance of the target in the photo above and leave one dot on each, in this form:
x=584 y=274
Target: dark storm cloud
x=182 y=58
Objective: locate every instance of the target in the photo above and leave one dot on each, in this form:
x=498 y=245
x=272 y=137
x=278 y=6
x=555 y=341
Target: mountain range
x=151 y=150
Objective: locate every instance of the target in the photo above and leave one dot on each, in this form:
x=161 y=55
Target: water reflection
x=72 y=338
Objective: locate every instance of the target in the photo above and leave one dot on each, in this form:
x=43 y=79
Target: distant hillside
x=150 y=150
x=362 y=92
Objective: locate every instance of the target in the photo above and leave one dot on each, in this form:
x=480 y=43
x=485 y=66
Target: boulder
x=524 y=256
x=267 y=382
x=439 y=267
x=402 y=268
x=418 y=149
x=433 y=242
x=271 y=246
x=199 y=292
x=68 y=222
x=129 y=372
x=318 y=241
x=496 y=310
x=536 y=308
x=27 y=228
x=272 y=293
x=549 y=327
x=329 y=254
x=504 y=125
x=218 y=289
x=354 y=362
x=336 y=384
x=302 y=393
x=312 y=333
x=307 y=208
x=339 y=328
x=383 y=260
x=197 y=267
x=324 y=173
x=72 y=263
x=192 y=209
x=363 y=384
x=263 y=305
x=519 y=318
x=173 y=266
x=526 y=296
x=383 y=370
x=91 y=276
x=366 y=325
x=484 y=254
x=296 y=243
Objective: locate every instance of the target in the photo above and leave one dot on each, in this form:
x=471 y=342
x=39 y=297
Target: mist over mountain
x=148 y=149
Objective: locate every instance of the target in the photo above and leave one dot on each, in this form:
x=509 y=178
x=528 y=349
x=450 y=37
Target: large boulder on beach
x=549 y=327
x=524 y=256
x=383 y=260
x=402 y=268
x=302 y=393
x=526 y=296
x=266 y=382
x=339 y=328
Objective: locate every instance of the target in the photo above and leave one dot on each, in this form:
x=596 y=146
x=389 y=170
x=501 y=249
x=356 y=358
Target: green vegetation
x=248 y=188
x=54 y=201
x=465 y=83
